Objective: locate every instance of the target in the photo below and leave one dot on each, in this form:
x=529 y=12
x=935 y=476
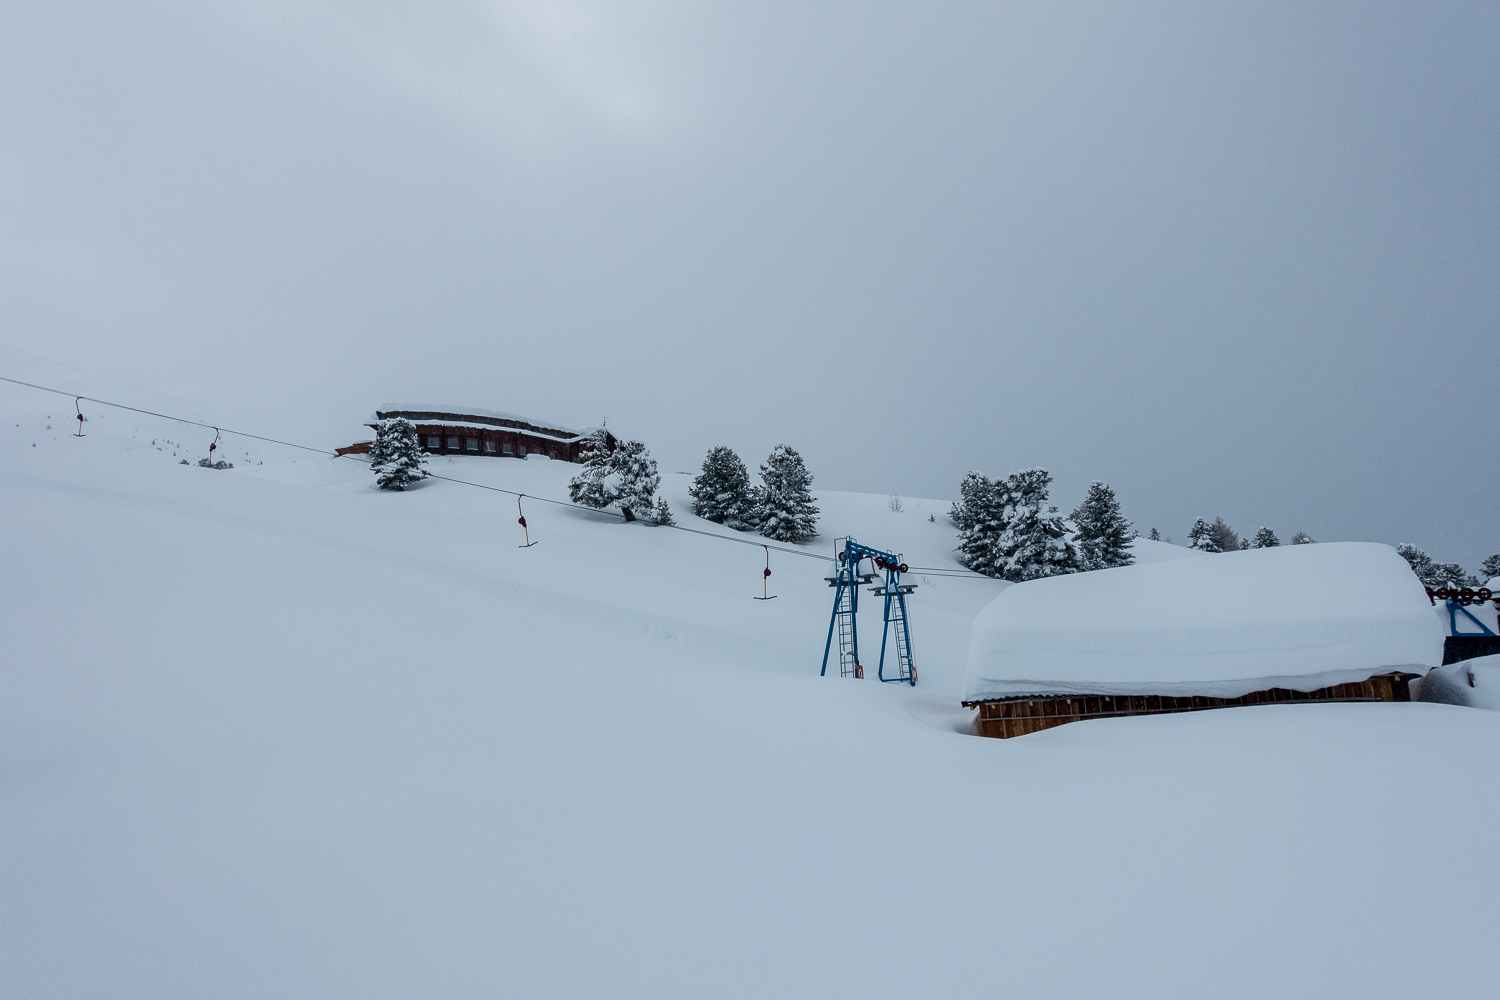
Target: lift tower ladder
x=848 y=576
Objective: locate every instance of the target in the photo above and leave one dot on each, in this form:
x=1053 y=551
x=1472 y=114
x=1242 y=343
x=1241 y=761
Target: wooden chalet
x=1329 y=622
x=488 y=434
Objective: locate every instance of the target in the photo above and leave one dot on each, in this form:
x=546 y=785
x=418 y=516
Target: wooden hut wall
x=500 y=437
x=1018 y=716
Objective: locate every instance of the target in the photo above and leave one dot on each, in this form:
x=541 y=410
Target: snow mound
x=1475 y=683
x=1299 y=617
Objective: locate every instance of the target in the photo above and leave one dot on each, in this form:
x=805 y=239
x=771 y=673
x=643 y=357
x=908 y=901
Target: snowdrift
x=1300 y=617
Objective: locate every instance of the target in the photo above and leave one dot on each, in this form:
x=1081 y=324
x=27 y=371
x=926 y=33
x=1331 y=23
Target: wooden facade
x=1007 y=717
x=486 y=435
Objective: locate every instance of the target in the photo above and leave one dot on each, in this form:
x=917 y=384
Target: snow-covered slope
x=269 y=733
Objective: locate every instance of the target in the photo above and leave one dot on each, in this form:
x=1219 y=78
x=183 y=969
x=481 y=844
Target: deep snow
x=1301 y=617
x=271 y=733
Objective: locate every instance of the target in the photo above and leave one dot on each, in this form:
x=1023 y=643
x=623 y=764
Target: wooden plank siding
x=454 y=432
x=1005 y=718
x=563 y=451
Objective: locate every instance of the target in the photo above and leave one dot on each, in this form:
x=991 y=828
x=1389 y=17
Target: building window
x=523 y=451
x=453 y=444
x=505 y=448
x=434 y=442
x=489 y=446
x=473 y=444
x=553 y=456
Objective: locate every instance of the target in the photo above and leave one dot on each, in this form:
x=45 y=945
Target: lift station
x=848 y=576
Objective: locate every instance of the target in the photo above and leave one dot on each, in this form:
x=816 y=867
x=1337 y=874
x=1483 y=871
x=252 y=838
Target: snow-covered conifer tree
x=1034 y=542
x=980 y=514
x=722 y=491
x=662 y=514
x=626 y=477
x=1103 y=535
x=1303 y=538
x=1265 y=538
x=1435 y=574
x=1201 y=537
x=638 y=480
x=589 y=487
x=1454 y=575
x=1490 y=568
x=396 y=456
x=1155 y=535
x=785 y=508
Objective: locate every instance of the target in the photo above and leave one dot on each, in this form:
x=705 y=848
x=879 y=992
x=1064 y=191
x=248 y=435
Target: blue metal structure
x=849 y=574
x=1454 y=610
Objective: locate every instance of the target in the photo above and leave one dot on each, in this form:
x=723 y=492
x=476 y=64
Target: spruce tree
x=785 y=508
x=1435 y=574
x=396 y=456
x=1490 y=568
x=980 y=516
x=1265 y=538
x=1155 y=535
x=662 y=514
x=1034 y=542
x=589 y=487
x=1303 y=538
x=639 y=480
x=722 y=492
x=1201 y=537
x=625 y=477
x=1103 y=535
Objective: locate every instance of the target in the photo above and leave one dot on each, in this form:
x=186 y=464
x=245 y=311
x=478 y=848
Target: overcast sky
x=1235 y=259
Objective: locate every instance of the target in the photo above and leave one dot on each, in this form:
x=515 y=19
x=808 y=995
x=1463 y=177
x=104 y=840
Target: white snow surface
x=272 y=733
x=1297 y=616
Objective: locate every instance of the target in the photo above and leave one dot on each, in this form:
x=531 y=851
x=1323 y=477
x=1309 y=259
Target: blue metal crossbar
x=848 y=576
x=1454 y=610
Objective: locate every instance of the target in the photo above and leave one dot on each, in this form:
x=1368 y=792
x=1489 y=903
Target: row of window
x=472 y=444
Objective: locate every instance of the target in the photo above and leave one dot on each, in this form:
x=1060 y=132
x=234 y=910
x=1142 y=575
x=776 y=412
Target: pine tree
x=1201 y=537
x=1228 y=539
x=662 y=514
x=1454 y=575
x=1435 y=574
x=639 y=480
x=1303 y=538
x=625 y=477
x=1034 y=542
x=785 y=508
x=1265 y=538
x=722 y=491
x=590 y=487
x=980 y=516
x=396 y=456
x=1490 y=568
x=1155 y=535
x=1103 y=534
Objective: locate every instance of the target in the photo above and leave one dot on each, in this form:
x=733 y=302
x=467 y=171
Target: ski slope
x=272 y=733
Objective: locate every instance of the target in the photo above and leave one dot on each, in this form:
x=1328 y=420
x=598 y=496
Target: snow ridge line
x=932 y=571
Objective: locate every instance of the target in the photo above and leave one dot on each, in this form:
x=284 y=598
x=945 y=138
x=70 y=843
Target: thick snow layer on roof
x=476 y=411
x=1298 y=616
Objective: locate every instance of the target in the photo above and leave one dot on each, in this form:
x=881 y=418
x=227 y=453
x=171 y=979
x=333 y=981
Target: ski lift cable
x=934 y=571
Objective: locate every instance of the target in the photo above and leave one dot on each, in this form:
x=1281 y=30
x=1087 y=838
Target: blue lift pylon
x=849 y=575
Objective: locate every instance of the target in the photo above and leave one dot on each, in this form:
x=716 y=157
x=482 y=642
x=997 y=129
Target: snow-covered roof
x=560 y=432
x=1298 y=616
